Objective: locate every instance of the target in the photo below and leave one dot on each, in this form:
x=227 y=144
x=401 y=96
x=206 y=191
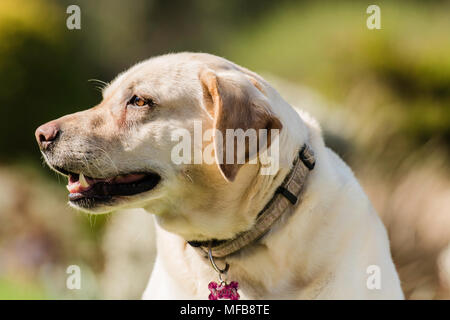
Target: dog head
x=120 y=153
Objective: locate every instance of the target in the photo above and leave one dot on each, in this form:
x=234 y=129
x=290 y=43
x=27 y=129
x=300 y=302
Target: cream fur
x=321 y=252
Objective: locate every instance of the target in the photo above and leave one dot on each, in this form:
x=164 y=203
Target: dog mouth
x=87 y=192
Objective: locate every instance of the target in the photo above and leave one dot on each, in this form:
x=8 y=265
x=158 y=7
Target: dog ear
x=235 y=102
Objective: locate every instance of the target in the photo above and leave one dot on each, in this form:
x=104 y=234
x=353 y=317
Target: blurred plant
x=42 y=73
x=402 y=70
x=40 y=236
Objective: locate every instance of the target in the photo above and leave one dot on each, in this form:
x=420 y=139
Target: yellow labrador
x=302 y=230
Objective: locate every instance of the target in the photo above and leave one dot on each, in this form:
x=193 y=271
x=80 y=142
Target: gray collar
x=284 y=201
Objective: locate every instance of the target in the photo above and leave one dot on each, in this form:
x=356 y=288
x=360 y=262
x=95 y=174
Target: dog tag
x=223 y=290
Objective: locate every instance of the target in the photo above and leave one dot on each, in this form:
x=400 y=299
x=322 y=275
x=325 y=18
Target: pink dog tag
x=223 y=290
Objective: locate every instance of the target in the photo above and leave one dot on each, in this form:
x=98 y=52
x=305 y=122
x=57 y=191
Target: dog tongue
x=129 y=178
x=84 y=183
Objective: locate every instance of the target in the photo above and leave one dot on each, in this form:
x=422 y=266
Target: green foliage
x=20 y=290
x=327 y=46
x=42 y=73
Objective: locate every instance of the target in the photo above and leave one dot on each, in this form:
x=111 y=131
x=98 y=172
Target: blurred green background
x=382 y=96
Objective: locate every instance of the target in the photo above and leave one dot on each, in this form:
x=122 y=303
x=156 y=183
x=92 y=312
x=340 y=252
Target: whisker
x=103 y=83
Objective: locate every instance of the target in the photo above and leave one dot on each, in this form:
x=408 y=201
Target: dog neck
x=286 y=198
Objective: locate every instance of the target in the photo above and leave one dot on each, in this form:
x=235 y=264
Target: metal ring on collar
x=211 y=259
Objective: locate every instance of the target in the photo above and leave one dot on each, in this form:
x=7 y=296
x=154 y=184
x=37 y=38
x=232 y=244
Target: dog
x=305 y=231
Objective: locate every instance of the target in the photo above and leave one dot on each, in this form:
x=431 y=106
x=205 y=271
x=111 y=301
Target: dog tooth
x=83 y=182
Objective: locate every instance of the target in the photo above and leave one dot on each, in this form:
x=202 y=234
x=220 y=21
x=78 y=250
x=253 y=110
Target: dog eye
x=140 y=102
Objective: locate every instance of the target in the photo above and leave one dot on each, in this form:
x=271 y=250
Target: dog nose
x=46 y=134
